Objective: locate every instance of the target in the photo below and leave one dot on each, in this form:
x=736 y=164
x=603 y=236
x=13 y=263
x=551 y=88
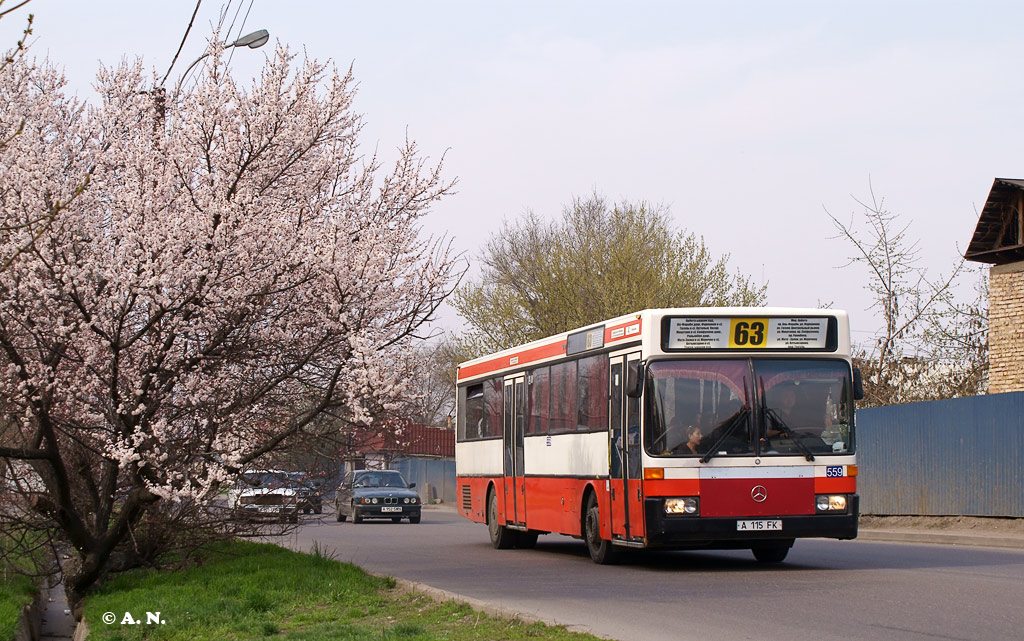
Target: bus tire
x=526 y=540
x=771 y=552
x=502 y=538
x=601 y=550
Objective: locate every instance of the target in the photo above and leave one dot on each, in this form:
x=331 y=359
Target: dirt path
x=979 y=524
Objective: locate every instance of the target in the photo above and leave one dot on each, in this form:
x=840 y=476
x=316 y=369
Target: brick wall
x=1006 y=328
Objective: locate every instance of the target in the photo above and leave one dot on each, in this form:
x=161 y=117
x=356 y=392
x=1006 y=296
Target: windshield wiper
x=788 y=432
x=736 y=421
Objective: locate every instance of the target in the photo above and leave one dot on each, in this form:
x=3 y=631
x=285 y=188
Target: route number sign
x=701 y=333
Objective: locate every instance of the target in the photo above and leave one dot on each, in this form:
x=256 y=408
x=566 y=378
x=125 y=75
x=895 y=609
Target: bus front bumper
x=726 y=532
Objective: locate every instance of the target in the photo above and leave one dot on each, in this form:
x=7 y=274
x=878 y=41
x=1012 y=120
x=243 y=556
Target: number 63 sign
x=748 y=332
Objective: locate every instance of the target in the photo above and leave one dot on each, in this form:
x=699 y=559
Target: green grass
x=16 y=591
x=247 y=590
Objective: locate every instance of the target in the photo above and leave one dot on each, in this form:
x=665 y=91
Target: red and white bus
x=714 y=428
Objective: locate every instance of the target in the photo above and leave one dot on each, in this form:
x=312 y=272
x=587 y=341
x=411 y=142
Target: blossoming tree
x=221 y=267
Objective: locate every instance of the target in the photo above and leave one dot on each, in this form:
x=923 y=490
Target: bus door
x=624 y=471
x=514 y=424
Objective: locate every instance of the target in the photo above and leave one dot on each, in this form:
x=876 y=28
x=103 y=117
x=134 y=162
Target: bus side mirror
x=634 y=386
x=858 y=385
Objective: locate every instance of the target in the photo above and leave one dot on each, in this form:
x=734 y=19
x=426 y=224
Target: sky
x=747 y=120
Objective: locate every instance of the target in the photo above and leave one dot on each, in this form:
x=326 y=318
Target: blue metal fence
x=961 y=456
x=434 y=478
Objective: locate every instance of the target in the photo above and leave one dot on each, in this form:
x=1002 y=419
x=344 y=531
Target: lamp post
x=253 y=40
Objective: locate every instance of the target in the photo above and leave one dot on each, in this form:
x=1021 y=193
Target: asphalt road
x=825 y=589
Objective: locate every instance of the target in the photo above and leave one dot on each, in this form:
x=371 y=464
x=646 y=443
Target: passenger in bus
x=633 y=451
x=797 y=413
x=694 y=436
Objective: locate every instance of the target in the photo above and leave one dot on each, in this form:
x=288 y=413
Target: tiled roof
x=410 y=439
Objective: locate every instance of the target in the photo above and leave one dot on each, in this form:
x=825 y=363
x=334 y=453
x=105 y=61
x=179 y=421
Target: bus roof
x=637 y=328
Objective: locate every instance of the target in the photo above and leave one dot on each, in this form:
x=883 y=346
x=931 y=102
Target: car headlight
x=373 y=500
x=830 y=503
x=682 y=506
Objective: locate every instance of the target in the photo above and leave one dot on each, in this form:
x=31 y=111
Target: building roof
x=406 y=439
x=421 y=440
x=999 y=236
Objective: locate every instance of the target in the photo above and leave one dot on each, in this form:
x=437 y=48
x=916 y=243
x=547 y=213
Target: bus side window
x=474 y=411
x=494 y=396
x=540 y=398
x=591 y=393
x=563 y=397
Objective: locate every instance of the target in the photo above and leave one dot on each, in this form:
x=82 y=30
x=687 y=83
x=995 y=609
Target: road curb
x=491 y=609
x=942 y=538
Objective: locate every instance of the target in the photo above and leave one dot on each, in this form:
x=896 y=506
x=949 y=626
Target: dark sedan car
x=377 y=494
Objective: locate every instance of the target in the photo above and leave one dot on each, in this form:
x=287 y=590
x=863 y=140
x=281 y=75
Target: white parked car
x=265 y=494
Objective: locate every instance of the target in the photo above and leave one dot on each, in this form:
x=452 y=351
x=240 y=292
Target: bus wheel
x=771 y=552
x=526 y=540
x=502 y=538
x=601 y=550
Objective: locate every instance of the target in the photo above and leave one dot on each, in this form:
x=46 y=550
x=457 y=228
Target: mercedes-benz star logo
x=758 y=493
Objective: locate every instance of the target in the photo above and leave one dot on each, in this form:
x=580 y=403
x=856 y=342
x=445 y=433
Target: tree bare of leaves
x=232 y=270
x=931 y=346
x=434 y=401
x=597 y=261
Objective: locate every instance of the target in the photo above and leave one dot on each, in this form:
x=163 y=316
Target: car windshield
x=251 y=479
x=379 y=479
x=270 y=479
x=712 y=408
x=297 y=479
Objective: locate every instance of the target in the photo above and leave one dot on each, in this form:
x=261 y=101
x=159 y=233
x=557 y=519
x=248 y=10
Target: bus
x=687 y=428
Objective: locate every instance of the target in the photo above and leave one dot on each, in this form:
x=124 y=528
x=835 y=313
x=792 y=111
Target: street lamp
x=253 y=40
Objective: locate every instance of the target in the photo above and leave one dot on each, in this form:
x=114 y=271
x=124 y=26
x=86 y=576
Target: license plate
x=269 y=508
x=758 y=526
x=388 y=508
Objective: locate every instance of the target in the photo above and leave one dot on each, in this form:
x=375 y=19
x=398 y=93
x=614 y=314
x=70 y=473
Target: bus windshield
x=747 y=407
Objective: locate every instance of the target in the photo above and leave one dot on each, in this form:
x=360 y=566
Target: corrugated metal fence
x=959 y=456
x=434 y=478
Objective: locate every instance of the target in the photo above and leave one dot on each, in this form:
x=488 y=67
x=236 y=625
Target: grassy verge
x=16 y=591
x=257 y=591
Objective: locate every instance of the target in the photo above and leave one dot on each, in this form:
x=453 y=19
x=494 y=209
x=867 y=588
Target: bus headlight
x=683 y=506
x=830 y=503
